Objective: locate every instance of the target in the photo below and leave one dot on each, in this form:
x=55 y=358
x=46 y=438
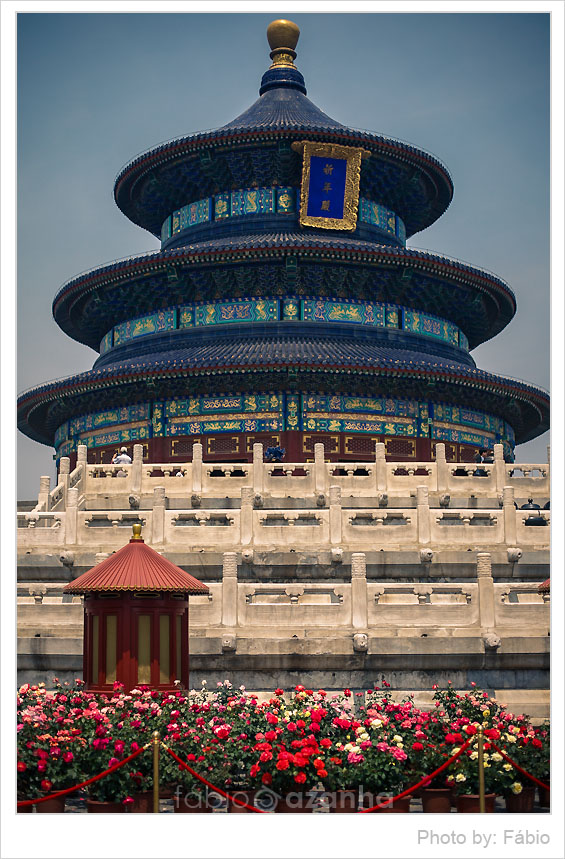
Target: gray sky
x=94 y=90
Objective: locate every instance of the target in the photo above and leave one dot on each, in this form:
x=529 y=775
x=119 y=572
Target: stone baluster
x=246 y=516
x=43 y=499
x=71 y=517
x=196 y=469
x=319 y=469
x=158 y=517
x=229 y=589
x=335 y=515
x=64 y=472
x=380 y=467
x=509 y=515
x=82 y=452
x=442 y=472
x=136 y=469
x=258 y=468
x=486 y=591
x=423 y=510
x=499 y=467
x=358 y=590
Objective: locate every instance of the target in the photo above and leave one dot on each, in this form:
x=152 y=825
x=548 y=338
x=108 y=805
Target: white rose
x=460 y=777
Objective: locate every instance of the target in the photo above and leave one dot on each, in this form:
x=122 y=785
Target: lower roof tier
x=291 y=365
x=292 y=264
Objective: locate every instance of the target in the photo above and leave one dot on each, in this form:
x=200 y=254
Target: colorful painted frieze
x=106 y=342
x=430 y=326
x=286 y=200
x=392 y=317
x=391 y=426
x=260 y=404
x=221 y=206
x=134 y=434
x=463 y=342
x=201 y=425
x=324 y=310
x=126 y=414
x=186 y=316
x=221 y=313
x=379 y=216
x=65 y=449
x=252 y=201
x=292 y=412
x=291 y=309
x=61 y=433
x=162 y=320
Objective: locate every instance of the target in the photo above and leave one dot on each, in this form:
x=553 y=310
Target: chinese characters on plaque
x=330 y=185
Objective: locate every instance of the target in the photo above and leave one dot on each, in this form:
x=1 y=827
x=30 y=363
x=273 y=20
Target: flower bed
x=289 y=743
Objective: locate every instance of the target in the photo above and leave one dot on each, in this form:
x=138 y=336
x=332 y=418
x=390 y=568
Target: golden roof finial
x=283 y=36
x=136 y=528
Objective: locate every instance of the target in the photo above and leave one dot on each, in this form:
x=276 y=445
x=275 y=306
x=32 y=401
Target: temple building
x=283 y=306
x=284 y=311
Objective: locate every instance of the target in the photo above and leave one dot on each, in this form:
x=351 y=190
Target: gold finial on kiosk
x=283 y=36
x=136 y=528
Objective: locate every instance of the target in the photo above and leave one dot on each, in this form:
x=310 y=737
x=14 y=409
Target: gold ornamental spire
x=136 y=528
x=282 y=36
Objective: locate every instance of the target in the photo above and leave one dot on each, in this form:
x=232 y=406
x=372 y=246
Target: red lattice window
x=467 y=454
x=266 y=439
x=222 y=444
x=400 y=447
x=183 y=447
x=330 y=442
x=361 y=444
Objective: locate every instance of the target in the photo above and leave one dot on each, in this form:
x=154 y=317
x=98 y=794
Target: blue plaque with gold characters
x=329 y=196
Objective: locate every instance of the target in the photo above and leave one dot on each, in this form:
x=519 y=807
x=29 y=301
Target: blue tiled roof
x=243 y=355
x=284 y=240
x=282 y=108
x=291 y=351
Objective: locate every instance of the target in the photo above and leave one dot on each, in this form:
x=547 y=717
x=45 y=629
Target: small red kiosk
x=135 y=619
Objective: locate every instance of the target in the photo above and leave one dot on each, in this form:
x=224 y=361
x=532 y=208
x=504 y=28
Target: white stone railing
x=362 y=606
x=305 y=479
x=320 y=528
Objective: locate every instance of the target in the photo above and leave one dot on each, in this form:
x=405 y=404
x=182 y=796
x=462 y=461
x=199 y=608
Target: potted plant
x=465 y=778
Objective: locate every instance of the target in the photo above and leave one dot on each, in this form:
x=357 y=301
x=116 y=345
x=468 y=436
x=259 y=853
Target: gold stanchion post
x=480 y=762
x=156 y=744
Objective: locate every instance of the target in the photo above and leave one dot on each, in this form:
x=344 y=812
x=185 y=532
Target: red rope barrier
x=213 y=786
x=423 y=781
x=518 y=767
x=84 y=783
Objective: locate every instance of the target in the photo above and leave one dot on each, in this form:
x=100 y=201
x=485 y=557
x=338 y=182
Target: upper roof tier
x=254 y=150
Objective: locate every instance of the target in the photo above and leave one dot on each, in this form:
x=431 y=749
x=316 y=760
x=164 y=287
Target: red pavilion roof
x=136 y=567
x=544 y=587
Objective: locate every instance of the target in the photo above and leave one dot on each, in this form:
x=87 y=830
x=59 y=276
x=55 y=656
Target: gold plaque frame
x=352 y=156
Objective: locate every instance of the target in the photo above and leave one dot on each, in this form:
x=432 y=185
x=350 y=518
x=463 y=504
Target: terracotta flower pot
x=436 y=800
x=142 y=802
x=343 y=801
x=51 y=806
x=468 y=803
x=243 y=796
x=93 y=806
x=521 y=803
x=544 y=797
x=399 y=806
